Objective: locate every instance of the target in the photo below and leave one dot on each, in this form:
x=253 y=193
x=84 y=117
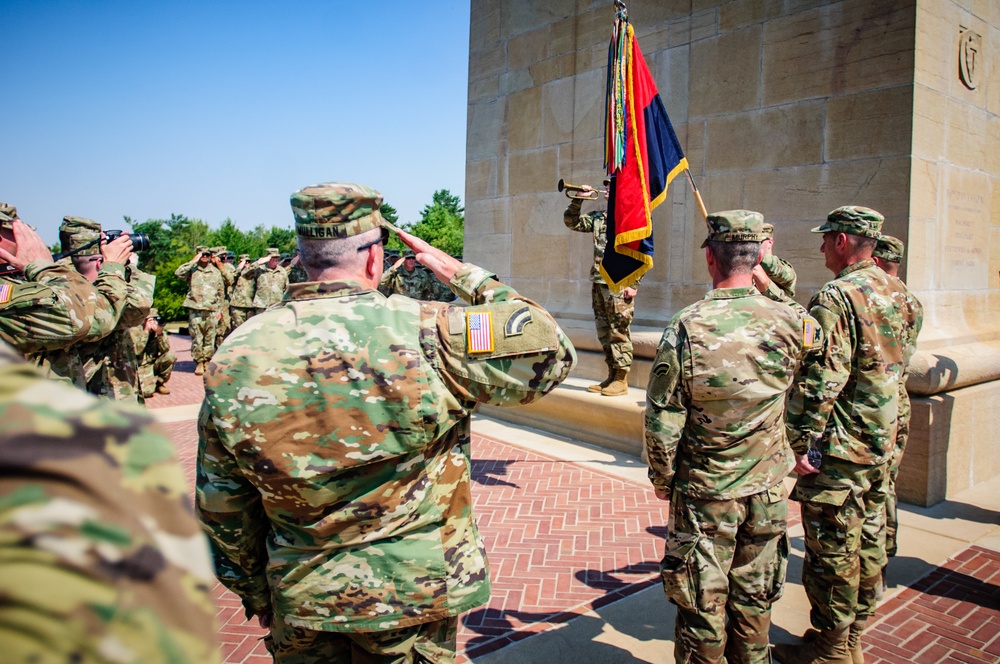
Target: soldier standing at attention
x=612 y=313
x=779 y=271
x=152 y=349
x=405 y=278
x=44 y=306
x=333 y=471
x=244 y=286
x=272 y=281
x=228 y=271
x=103 y=561
x=205 y=298
x=845 y=409
x=888 y=255
x=297 y=273
x=715 y=439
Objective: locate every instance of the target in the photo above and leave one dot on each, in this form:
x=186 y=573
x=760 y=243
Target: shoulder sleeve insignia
x=669 y=338
x=6 y=291
x=479 y=332
x=810 y=332
x=516 y=322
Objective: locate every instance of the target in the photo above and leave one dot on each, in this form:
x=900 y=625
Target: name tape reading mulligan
x=479 y=331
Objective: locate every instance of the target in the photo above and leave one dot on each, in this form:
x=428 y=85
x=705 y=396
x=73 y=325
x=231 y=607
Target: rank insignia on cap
x=6 y=290
x=516 y=322
x=808 y=332
x=479 y=331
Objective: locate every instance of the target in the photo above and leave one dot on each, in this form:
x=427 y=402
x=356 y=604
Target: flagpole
x=697 y=196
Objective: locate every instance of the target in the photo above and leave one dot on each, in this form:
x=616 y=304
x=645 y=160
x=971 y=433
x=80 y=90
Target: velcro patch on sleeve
x=514 y=326
x=808 y=332
x=6 y=291
x=479 y=332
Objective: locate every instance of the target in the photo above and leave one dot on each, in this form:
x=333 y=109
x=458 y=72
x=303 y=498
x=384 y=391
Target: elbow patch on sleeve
x=504 y=329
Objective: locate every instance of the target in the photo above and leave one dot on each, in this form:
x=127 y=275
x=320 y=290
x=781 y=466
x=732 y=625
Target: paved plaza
x=574 y=536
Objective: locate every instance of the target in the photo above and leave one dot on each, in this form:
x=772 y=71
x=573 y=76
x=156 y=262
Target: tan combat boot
x=200 y=369
x=824 y=648
x=597 y=387
x=853 y=641
x=162 y=389
x=617 y=387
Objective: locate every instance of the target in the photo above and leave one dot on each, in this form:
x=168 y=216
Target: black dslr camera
x=140 y=241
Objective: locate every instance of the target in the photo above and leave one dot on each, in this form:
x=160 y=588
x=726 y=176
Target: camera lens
x=140 y=242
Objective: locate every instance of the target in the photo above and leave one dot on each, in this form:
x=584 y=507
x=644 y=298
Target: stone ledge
x=953 y=367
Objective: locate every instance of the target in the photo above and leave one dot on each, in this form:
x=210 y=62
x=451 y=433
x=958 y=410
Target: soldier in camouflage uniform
x=204 y=302
x=779 y=271
x=272 y=281
x=612 y=313
x=110 y=365
x=845 y=409
x=44 y=306
x=105 y=264
x=241 y=296
x=405 y=278
x=888 y=255
x=152 y=349
x=297 y=273
x=102 y=559
x=716 y=444
x=333 y=473
x=228 y=270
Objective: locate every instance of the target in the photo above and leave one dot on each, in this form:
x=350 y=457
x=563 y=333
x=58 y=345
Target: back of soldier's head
x=734 y=238
x=335 y=223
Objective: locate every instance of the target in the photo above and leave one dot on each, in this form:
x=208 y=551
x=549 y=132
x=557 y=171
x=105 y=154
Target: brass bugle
x=591 y=195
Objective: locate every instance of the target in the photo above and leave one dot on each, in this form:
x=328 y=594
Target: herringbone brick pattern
x=950 y=615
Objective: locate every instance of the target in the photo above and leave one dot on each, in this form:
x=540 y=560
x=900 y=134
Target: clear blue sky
x=222 y=109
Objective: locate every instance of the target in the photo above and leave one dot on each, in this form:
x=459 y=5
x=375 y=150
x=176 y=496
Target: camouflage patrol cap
x=201 y=249
x=273 y=251
x=8 y=213
x=75 y=232
x=735 y=226
x=889 y=249
x=408 y=253
x=768 y=230
x=336 y=210
x=853 y=220
x=244 y=257
x=219 y=251
x=286 y=256
x=153 y=313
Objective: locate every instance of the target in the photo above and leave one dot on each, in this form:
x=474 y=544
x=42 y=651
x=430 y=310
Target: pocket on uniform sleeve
x=677 y=570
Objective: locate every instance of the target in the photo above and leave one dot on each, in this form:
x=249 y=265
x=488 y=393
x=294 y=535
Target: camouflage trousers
x=723 y=567
x=240 y=315
x=201 y=326
x=223 y=328
x=151 y=376
x=843 y=514
x=613 y=316
x=891 y=511
x=426 y=643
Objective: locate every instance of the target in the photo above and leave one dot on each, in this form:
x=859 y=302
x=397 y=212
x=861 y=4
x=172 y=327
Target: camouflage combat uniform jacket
x=417 y=284
x=713 y=433
x=206 y=286
x=781 y=273
x=111 y=292
x=244 y=286
x=334 y=467
x=271 y=286
x=846 y=400
x=595 y=223
x=100 y=557
x=49 y=307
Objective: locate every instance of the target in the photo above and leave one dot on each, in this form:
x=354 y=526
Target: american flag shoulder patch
x=6 y=291
x=808 y=332
x=479 y=331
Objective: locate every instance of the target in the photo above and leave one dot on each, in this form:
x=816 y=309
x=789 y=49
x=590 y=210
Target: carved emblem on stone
x=970 y=45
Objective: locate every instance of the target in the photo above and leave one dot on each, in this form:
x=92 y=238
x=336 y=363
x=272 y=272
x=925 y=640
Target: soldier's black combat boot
x=597 y=387
x=826 y=648
x=617 y=387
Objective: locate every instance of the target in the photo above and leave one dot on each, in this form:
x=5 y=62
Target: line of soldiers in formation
x=340 y=421
x=223 y=295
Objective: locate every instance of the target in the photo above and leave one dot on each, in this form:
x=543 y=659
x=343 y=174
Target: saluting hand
x=441 y=264
x=30 y=247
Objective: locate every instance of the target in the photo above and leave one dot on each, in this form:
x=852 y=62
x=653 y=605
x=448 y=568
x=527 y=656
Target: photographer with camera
x=205 y=299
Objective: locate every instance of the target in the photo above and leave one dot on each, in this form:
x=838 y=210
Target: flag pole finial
x=622 y=10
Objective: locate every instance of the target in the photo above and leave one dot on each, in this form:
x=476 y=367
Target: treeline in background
x=172 y=242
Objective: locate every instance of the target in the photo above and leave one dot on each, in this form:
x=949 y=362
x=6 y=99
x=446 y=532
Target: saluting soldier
x=333 y=473
x=228 y=271
x=244 y=285
x=272 y=280
x=204 y=302
x=103 y=560
x=845 y=410
x=888 y=255
x=779 y=271
x=405 y=278
x=297 y=273
x=717 y=449
x=612 y=313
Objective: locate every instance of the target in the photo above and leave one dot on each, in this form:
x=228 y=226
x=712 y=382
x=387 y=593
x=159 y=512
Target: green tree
x=442 y=223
